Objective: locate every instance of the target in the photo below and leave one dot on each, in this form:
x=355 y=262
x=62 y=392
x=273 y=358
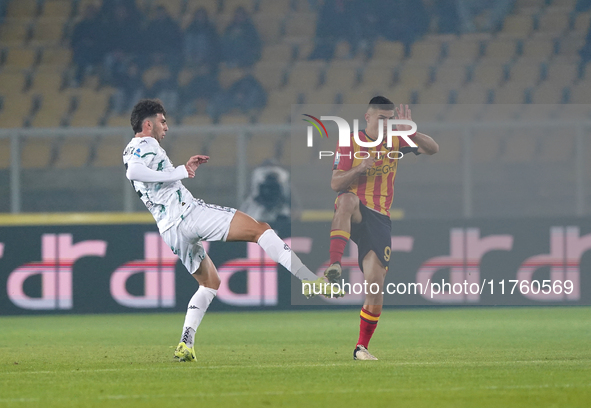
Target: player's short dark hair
x=381 y=103
x=146 y=108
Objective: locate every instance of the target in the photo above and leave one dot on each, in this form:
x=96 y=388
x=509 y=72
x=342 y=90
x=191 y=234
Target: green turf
x=505 y=357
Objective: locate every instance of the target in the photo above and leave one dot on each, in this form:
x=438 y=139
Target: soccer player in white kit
x=184 y=221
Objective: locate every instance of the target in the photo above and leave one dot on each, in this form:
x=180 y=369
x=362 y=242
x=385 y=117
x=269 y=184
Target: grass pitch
x=505 y=357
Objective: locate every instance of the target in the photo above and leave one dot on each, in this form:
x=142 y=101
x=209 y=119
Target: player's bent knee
x=347 y=203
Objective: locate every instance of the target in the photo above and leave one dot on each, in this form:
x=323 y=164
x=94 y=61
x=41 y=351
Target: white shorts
x=205 y=222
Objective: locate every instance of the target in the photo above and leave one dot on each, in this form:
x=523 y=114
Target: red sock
x=369 y=322
x=338 y=242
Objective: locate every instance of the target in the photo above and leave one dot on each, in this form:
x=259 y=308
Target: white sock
x=197 y=307
x=281 y=253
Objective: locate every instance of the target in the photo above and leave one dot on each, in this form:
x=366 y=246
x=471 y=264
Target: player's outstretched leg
x=347 y=210
x=245 y=228
x=369 y=316
x=209 y=282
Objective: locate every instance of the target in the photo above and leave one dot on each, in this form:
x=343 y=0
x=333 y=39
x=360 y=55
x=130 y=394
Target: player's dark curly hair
x=146 y=108
x=381 y=103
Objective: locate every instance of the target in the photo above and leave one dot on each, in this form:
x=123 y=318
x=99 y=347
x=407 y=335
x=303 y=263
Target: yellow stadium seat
x=276 y=7
x=56 y=57
x=436 y=94
x=378 y=76
x=463 y=50
x=260 y=148
x=582 y=23
x=109 y=152
x=530 y=3
x=452 y=74
x=37 y=152
x=325 y=96
x=341 y=76
x=235 y=119
x=301 y=25
x=391 y=51
x=57 y=8
x=183 y=148
x=14 y=32
x=525 y=73
x=21 y=58
x=48 y=31
x=228 y=76
x=304 y=50
x=15 y=108
x=268 y=27
x=22 y=9
x=5 y=152
x=517 y=26
x=92 y=106
x=270 y=74
x=486 y=145
x=284 y=98
x=47 y=81
x=425 y=52
x=274 y=53
x=500 y=50
x=173 y=7
x=548 y=92
x=54 y=109
x=511 y=92
x=211 y=6
x=538 y=49
x=562 y=73
x=222 y=150
x=569 y=46
x=554 y=23
x=272 y=114
x=581 y=92
x=119 y=121
x=305 y=75
x=231 y=5
x=473 y=93
x=489 y=75
x=197 y=120
x=73 y=152
x=414 y=75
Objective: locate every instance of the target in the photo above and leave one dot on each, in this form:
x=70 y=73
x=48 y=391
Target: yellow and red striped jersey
x=375 y=187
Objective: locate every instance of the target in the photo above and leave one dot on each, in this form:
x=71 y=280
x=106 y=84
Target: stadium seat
x=54 y=108
x=378 y=75
x=73 y=152
x=582 y=23
x=211 y=6
x=554 y=22
x=305 y=75
x=58 y=58
x=276 y=7
x=22 y=9
x=47 y=81
x=473 y=93
x=283 y=98
x=260 y=148
x=15 y=32
x=236 y=119
x=414 y=75
x=228 y=76
x=108 y=151
x=173 y=7
x=5 y=152
x=37 y=152
x=277 y=53
x=580 y=92
x=222 y=150
x=92 y=106
x=341 y=75
x=197 y=120
x=499 y=51
x=451 y=73
x=548 y=92
x=300 y=25
x=435 y=94
x=425 y=52
x=268 y=27
x=538 y=49
x=486 y=145
x=48 y=32
x=155 y=74
x=118 y=121
x=525 y=72
x=562 y=73
x=569 y=46
x=489 y=75
x=57 y=8
x=390 y=51
x=273 y=114
x=517 y=26
x=231 y=5
x=21 y=58
x=270 y=74
x=463 y=51
x=15 y=108
x=182 y=148
x=324 y=96
x=510 y=92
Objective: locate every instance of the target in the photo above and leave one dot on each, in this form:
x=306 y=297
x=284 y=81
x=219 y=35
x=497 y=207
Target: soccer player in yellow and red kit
x=365 y=189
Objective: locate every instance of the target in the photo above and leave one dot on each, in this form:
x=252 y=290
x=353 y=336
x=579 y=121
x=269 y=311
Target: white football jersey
x=167 y=201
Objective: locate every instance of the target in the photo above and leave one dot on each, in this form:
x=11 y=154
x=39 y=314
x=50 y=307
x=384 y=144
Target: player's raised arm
x=137 y=171
x=341 y=179
x=426 y=144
